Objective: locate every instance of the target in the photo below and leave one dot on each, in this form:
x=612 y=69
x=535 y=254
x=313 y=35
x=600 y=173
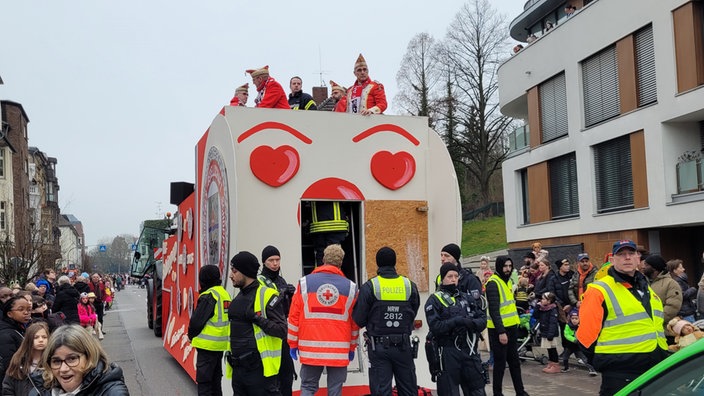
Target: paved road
x=576 y=382
x=148 y=368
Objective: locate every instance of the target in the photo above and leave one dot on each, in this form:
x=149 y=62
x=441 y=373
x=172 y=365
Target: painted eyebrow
x=386 y=128
x=273 y=125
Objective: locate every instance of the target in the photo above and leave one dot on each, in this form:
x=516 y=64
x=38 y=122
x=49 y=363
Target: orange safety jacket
x=320 y=322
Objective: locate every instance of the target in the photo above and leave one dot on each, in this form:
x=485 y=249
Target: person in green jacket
x=571 y=345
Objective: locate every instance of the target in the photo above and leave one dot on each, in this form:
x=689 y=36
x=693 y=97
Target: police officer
x=387 y=305
x=456 y=320
x=271 y=277
x=468 y=282
x=209 y=330
x=257 y=328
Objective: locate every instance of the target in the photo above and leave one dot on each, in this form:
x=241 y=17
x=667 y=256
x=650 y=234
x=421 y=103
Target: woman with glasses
x=18 y=313
x=74 y=363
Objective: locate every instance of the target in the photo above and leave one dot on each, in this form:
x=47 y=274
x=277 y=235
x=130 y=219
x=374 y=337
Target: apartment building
x=612 y=98
x=44 y=205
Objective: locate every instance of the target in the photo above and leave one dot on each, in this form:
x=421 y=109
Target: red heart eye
x=272 y=166
x=393 y=171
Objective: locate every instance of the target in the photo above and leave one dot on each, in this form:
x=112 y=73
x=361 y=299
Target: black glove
x=469 y=324
x=290 y=290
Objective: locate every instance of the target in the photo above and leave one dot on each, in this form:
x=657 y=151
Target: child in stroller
x=529 y=336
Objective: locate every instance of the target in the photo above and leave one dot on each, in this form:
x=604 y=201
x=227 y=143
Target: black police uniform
x=456 y=321
x=287 y=371
x=468 y=283
x=389 y=325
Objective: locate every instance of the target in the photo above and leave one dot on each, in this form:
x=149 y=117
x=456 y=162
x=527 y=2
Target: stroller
x=529 y=338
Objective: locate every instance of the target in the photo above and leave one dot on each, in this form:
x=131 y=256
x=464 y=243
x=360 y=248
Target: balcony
x=689 y=176
x=519 y=138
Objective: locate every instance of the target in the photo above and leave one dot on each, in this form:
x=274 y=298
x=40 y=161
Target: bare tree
x=471 y=53
x=115 y=258
x=20 y=259
x=417 y=77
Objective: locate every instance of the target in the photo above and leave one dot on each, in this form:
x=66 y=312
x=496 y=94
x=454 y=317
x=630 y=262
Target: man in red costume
x=271 y=93
x=365 y=97
x=241 y=96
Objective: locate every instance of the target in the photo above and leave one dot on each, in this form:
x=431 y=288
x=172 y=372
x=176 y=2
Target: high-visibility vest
x=215 y=336
x=269 y=347
x=507 y=304
x=445 y=299
x=264 y=281
x=627 y=327
x=337 y=223
x=391 y=313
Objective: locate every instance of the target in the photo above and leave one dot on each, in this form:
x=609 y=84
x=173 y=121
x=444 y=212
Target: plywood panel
x=534 y=117
x=626 y=60
x=401 y=226
x=539 y=193
x=639 y=170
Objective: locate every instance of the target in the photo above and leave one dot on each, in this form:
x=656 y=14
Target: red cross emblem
x=327 y=294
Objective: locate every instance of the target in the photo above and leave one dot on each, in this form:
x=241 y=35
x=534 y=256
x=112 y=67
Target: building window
x=2 y=162
x=645 y=66
x=553 y=108
x=614 y=178
x=523 y=177
x=564 y=200
x=600 y=84
x=3 y=218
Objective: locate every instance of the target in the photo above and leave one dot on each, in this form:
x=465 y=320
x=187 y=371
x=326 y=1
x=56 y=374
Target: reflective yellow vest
x=215 y=336
x=507 y=304
x=445 y=299
x=269 y=347
x=264 y=281
x=336 y=224
x=391 y=289
x=627 y=327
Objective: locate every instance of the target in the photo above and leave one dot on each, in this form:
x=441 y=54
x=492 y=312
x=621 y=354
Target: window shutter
x=614 y=180
x=645 y=66
x=553 y=108
x=564 y=199
x=600 y=84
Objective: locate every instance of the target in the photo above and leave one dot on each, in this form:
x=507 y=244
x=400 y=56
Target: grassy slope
x=483 y=236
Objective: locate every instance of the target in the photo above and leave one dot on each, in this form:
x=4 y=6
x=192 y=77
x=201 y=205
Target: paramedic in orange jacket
x=320 y=326
x=365 y=97
x=271 y=94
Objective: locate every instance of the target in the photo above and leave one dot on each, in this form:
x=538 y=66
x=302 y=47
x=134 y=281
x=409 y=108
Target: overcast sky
x=119 y=92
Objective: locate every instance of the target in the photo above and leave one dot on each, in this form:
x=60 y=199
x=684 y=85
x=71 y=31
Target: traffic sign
x=102 y=248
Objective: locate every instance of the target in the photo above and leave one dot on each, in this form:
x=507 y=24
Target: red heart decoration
x=272 y=166
x=393 y=171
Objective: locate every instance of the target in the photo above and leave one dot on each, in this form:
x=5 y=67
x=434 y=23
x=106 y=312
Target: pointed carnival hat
x=242 y=88
x=360 y=62
x=336 y=86
x=258 y=72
